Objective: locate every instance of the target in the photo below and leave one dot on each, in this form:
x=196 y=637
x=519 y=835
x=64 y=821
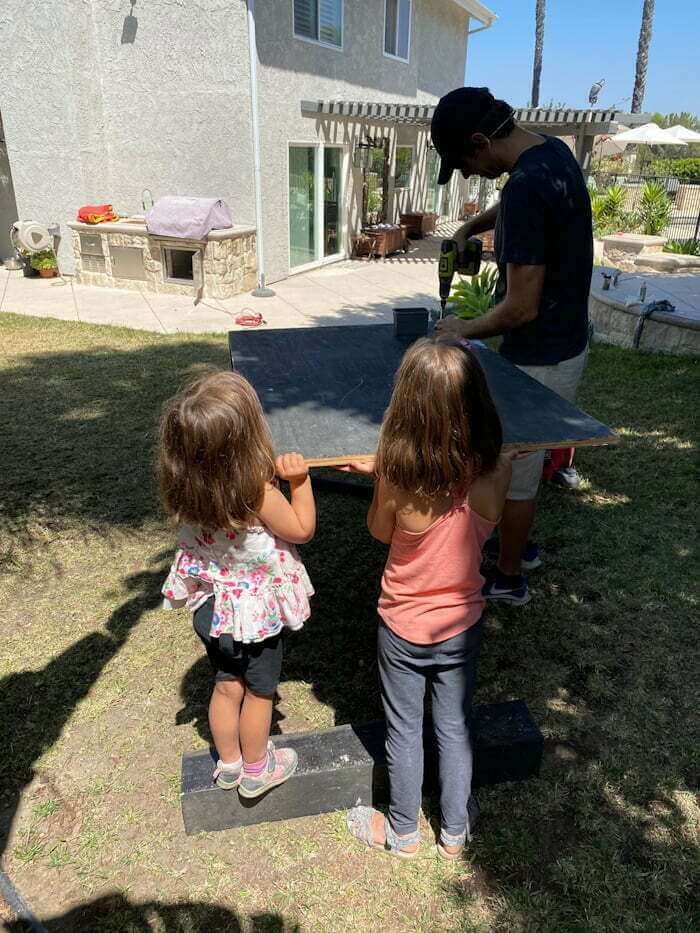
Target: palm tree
x=539 y=42
x=640 y=74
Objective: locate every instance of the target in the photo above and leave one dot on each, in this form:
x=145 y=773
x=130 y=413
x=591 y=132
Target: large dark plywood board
x=325 y=389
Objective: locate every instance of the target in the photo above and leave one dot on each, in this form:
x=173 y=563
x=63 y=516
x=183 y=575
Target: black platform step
x=339 y=767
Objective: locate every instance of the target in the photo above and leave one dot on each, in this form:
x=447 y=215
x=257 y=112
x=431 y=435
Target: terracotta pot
x=48 y=273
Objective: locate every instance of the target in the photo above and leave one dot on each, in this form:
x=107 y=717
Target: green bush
x=608 y=210
x=654 y=208
x=683 y=169
x=685 y=247
x=473 y=297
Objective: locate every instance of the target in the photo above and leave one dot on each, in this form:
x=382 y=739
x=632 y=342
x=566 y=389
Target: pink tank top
x=431 y=587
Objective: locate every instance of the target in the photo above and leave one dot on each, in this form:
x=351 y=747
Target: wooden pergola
x=584 y=125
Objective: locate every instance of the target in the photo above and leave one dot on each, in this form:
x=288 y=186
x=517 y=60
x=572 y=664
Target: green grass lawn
x=101 y=691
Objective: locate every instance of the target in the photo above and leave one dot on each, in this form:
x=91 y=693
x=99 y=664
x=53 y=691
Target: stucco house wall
x=292 y=70
x=96 y=108
x=100 y=103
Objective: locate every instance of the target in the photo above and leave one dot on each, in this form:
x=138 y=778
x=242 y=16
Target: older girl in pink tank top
x=440 y=485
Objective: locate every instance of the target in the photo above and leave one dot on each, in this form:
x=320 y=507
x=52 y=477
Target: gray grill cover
x=187 y=218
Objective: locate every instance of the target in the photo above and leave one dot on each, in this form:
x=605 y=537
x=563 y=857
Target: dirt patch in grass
x=101 y=691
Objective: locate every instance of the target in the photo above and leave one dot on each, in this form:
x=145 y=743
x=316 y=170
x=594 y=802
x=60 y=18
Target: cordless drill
x=452 y=261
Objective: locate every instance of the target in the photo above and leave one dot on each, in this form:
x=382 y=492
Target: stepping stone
x=346 y=765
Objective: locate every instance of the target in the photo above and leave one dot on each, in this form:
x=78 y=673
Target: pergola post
x=584 y=149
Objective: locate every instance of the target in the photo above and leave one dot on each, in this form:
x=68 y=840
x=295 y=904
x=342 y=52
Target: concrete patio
x=347 y=292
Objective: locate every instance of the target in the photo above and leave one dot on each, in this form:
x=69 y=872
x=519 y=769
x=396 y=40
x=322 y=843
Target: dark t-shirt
x=545 y=219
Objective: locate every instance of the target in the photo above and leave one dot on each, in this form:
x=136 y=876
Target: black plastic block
x=411 y=322
x=339 y=767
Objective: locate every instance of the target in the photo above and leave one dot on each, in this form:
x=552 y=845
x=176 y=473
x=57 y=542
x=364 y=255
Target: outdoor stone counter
x=616 y=322
x=124 y=255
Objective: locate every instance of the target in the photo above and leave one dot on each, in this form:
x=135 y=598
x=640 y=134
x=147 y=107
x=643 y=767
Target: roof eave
x=478 y=11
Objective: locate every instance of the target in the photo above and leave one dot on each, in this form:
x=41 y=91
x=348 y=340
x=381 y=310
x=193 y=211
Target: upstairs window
x=320 y=21
x=397 y=28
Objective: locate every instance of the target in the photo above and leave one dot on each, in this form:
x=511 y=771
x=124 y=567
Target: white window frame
x=319 y=146
x=410 y=171
x=397 y=58
x=325 y=45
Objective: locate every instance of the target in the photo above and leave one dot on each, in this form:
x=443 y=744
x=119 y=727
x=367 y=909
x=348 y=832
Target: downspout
x=261 y=291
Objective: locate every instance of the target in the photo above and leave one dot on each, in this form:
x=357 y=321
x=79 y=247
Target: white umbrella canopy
x=684 y=134
x=648 y=134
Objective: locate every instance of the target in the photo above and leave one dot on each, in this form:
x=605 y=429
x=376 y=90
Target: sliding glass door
x=315 y=204
x=302 y=233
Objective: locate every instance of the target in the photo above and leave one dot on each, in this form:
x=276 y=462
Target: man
x=544 y=249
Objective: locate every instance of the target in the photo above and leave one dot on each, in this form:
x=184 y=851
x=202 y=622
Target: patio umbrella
x=684 y=134
x=648 y=134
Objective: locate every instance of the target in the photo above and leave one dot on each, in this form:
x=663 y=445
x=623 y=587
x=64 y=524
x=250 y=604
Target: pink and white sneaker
x=281 y=765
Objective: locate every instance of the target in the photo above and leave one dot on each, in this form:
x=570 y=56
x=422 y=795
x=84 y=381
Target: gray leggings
x=405 y=669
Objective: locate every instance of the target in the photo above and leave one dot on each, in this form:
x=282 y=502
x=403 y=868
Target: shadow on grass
x=36 y=705
x=603 y=655
x=115 y=913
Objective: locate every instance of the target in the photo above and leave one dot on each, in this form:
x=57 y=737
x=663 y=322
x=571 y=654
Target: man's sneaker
x=281 y=765
x=567 y=477
x=531 y=555
x=507 y=589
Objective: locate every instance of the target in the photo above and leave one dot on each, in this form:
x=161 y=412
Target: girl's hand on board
x=291 y=467
x=361 y=466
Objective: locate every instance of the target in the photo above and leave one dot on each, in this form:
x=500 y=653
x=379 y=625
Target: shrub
x=685 y=247
x=473 y=297
x=608 y=210
x=654 y=208
x=683 y=169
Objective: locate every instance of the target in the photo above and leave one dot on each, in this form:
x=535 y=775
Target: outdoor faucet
x=143 y=198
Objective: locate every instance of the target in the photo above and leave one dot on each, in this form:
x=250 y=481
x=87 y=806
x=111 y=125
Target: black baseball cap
x=457 y=115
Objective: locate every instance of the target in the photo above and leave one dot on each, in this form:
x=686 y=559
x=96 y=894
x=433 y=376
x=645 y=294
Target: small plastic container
x=411 y=322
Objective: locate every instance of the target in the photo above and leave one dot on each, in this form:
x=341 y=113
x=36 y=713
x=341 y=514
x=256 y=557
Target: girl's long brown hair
x=441 y=430
x=215 y=453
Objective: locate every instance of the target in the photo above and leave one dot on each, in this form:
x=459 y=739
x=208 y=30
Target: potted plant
x=25 y=258
x=45 y=262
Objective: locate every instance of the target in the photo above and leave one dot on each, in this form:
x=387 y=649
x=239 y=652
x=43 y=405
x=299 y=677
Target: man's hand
x=452 y=326
x=292 y=467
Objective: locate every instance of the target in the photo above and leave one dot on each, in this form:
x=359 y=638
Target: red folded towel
x=96 y=213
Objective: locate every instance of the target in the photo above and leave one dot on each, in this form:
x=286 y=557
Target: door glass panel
x=332 y=200
x=375 y=187
x=434 y=189
x=301 y=205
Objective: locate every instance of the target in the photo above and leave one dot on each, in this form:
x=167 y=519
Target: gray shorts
x=562 y=378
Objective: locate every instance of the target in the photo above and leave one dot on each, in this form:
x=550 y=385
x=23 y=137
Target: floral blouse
x=258 y=583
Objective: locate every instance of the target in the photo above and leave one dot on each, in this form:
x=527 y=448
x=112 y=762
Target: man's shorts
x=562 y=378
x=258 y=664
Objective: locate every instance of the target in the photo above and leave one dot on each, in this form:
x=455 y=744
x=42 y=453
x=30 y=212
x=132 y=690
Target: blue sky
x=585 y=40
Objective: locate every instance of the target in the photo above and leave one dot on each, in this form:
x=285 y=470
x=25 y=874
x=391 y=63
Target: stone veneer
x=662 y=333
x=230 y=259
x=625 y=250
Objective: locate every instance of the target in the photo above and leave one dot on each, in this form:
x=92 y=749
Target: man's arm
x=479 y=224
x=520 y=305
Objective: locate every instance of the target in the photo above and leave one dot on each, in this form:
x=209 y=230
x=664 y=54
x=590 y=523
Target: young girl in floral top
x=236 y=566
